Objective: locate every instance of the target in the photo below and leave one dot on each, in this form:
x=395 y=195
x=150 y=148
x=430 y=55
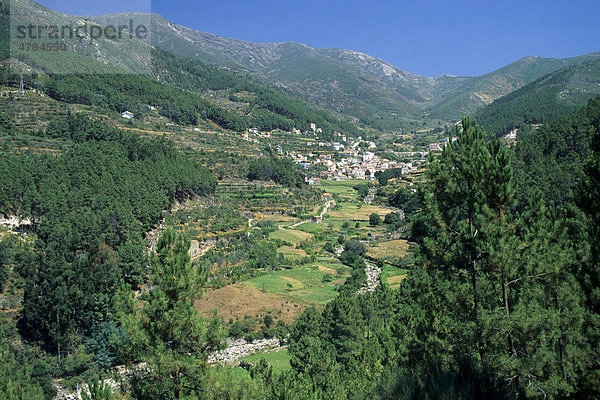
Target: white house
x=127 y=114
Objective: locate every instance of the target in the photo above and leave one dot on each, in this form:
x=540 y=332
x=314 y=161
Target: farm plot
x=305 y=283
x=344 y=189
x=238 y=300
x=393 y=276
x=291 y=252
x=390 y=250
x=310 y=227
x=357 y=212
x=291 y=236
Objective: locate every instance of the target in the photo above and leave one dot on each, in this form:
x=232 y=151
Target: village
x=340 y=158
x=345 y=157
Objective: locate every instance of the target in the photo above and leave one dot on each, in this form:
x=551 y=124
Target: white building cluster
x=350 y=163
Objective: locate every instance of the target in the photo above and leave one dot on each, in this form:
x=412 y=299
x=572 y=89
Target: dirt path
x=326 y=208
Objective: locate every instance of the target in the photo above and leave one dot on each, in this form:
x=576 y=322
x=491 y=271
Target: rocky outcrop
x=373 y=278
x=13 y=221
x=239 y=348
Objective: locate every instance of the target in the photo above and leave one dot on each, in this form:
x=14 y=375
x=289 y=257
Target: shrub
x=374 y=219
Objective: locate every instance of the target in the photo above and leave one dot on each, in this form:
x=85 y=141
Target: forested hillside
x=549 y=97
x=500 y=304
x=351 y=85
x=241 y=102
x=90 y=208
x=552 y=159
x=262 y=107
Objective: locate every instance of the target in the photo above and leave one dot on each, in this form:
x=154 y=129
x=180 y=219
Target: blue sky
x=424 y=37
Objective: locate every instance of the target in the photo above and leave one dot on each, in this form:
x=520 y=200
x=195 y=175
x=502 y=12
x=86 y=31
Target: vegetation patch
x=279 y=360
x=390 y=250
x=306 y=283
x=358 y=212
x=276 y=218
x=291 y=236
x=237 y=301
x=292 y=252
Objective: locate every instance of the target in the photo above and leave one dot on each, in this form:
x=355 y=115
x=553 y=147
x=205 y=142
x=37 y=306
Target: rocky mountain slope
x=356 y=83
x=345 y=81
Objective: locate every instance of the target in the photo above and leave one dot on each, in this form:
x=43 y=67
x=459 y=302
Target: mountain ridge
x=338 y=78
x=348 y=82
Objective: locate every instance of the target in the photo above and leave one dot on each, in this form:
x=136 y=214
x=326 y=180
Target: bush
x=77 y=363
x=103 y=343
x=329 y=248
x=242 y=328
x=391 y=218
x=268 y=321
x=374 y=219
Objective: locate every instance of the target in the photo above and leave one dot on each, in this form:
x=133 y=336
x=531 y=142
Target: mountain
x=480 y=91
x=554 y=95
x=83 y=52
x=97 y=71
x=356 y=85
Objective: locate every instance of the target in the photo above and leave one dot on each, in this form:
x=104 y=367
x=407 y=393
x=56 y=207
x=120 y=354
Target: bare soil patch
x=237 y=301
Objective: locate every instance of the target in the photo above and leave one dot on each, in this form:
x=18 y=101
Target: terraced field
x=389 y=250
x=310 y=227
x=358 y=212
x=393 y=276
x=292 y=253
x=303 y=283
x=291 y=236
x=344 y=189
x=238 y=300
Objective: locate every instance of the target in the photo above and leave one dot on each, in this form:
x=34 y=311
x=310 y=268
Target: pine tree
x=590 y=274
x=169 y=333
x=468 y=193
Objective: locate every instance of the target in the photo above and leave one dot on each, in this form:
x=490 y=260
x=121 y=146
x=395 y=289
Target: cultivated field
x=310 y=227
x=238 y=300
x=345 y=189
x=390 y=250
x=291 y=236
x=393 y=276
x=275 y=218
x=292 y=252
x=303 y=283
x=357 y=212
